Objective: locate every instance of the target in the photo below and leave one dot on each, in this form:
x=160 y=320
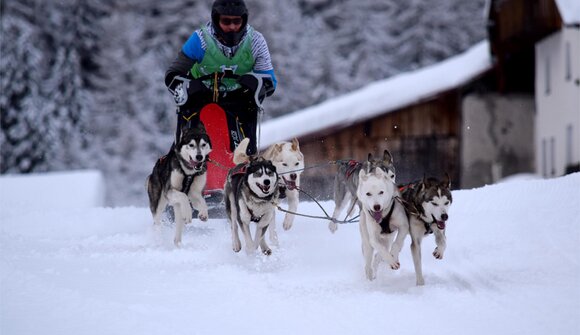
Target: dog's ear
x=200 y=128
x=295 y=144
x=447 y=181
x=278 y=147
x=370 y=157
x=423 y=184
x=362 y=175
x=387 y=157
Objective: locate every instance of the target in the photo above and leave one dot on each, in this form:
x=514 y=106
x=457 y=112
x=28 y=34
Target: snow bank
x=80 y=189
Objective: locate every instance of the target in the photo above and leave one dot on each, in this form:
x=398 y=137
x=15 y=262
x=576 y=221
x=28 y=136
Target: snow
x=380 y=97
x=511 y=267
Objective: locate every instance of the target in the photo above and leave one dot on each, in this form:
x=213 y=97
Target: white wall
x=557 y=139
x=497 y=137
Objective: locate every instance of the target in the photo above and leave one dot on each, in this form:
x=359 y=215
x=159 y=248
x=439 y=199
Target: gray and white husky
x=289 y=163
x=346 y=183
x=381 y=216
x=178 y=179
x=427 y=204
x=251 y=194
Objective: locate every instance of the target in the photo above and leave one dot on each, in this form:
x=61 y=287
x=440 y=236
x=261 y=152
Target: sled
x=215 y=121
x=225 y=134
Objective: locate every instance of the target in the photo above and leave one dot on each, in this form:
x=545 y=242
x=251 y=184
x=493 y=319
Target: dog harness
x=417 y=211
x=254 y=218
x=352 y=166
x=384 y=223
x=188 y=180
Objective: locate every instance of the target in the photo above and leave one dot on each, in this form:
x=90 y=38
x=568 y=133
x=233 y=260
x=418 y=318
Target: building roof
x=569 y=10
x=380 y=97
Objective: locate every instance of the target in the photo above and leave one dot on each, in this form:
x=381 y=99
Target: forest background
x=81 y=81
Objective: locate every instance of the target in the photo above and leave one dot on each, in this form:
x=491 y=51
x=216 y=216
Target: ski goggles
x=226 y=21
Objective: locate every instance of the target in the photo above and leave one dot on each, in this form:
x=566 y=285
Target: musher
x=225 y=61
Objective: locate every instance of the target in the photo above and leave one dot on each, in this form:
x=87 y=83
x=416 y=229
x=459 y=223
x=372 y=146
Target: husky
x=289 y=163
x=380 y=216
x=251 y=193
x=178 y=179
x=427 y=203
x=346 y=183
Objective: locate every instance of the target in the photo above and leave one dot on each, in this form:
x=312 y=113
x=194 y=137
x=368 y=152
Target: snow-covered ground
x=511 y=267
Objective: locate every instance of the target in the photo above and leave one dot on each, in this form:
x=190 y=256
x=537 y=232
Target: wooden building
x=416 y=116
x=423 y=138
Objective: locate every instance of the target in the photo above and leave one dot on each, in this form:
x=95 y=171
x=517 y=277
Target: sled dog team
x=388 y=212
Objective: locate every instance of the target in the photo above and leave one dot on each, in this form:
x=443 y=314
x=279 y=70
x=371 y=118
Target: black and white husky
x=346 y=183
x=251 y=194
x=427 y=203
x=178 y=179
x=381 y=216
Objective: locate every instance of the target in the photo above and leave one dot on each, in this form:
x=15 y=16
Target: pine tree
x=21 y=100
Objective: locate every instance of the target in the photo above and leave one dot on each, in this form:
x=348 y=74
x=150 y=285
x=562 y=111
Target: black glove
x=250 y=84
x=184 y=90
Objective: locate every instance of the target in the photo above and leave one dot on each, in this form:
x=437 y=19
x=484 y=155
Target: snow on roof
x=569 y=10
x=380 y=97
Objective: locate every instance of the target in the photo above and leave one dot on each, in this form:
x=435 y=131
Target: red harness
x=352 y=166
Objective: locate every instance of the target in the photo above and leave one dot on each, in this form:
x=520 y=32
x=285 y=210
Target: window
x=544 y=158
x=568 y=63
x=552 y=156
x=569 y=144
x=547 y=75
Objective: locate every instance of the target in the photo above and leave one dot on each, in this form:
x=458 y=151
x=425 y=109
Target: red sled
x=215 y=120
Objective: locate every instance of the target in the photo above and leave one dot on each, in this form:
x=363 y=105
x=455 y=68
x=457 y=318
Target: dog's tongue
x=378 y=216
x=291 y=185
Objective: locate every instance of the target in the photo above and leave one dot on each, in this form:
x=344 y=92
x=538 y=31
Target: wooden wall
x=423 y=138
x=514 y=26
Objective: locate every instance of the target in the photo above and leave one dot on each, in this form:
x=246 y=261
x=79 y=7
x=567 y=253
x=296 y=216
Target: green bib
x=215 y=61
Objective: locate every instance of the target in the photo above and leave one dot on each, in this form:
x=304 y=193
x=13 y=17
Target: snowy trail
x=511 y=268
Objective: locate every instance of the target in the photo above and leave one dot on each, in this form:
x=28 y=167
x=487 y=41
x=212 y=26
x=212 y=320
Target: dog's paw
x=437 y=254
x=267 y=251
x=394 y=263
x=187 y=216
x=332 y=226
x=370 y=273
x=287 y=222
x=236 y=245
x=203 y=216
x=274 y=240
x=177 y=242
x=420 y=282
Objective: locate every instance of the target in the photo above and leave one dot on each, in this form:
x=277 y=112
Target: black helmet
x=231 y=8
